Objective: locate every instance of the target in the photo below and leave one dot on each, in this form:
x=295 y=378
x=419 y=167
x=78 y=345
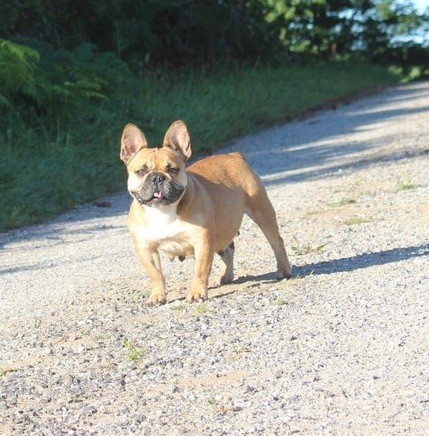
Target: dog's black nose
x=158 y=178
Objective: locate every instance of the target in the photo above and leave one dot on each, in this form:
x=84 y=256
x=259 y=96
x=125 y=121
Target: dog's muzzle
x=158 y=190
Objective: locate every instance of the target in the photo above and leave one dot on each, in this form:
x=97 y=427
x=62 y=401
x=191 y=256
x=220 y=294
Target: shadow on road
x=322 y=151
x=361 y=261
x=287 y=155
x=357 y=164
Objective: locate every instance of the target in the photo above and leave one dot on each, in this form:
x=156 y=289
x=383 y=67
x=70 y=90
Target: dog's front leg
x=151 y=262
x=204 y=254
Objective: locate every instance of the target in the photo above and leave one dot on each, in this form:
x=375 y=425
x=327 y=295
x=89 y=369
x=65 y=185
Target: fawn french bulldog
x=195 y=211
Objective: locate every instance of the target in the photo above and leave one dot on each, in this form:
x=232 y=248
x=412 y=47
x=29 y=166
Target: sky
x=421 y=4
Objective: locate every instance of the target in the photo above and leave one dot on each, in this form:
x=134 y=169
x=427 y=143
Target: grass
x=239 y=352
x=180 y=307
x=357 y=220
x=342 y=202
x=303 y=250
x=135 y=354
x=4 y=371
x=56 y=160
x=145 y=294
x=281 y=302
x=224 y=105
x=199 y=308
x=406 y=184
x=202 y=308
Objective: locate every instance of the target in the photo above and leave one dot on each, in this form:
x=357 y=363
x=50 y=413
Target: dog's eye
x=142 y=171
x=172 y=171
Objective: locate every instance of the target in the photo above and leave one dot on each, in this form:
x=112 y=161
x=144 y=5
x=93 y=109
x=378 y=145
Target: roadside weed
x=281 y=301
x=181 y=306
x=314 y=213
x=212 y=401
x=202 y=308
x=302 y=250
x=238 y=353
x=135 y=354
x=146 y=293
x=6 y=370
x=342 y=202
x=357 y=220
x=406 y=184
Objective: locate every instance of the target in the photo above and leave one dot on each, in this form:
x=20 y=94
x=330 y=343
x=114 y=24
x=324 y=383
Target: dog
x=195 y=211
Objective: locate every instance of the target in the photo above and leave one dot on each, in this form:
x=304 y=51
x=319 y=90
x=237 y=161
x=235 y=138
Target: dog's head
x=156 y=176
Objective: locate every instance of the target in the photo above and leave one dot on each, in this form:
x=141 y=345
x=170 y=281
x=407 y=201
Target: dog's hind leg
x=227 y=257
x=261 y=211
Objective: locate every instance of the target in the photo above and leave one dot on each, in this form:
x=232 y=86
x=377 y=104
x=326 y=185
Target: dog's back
x=232 y=172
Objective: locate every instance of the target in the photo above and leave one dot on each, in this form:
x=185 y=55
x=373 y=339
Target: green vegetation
x=6 y=370
x=342 y=202
x=281 y=302
x=72 y=76
x=55 y=128
x=148 y=33
x=239 y=353
x=135 y=354
x=180 y=307
x=303 y=250
x=358 y=220
x=406 y=184
x=63 y=149
x=202 y=308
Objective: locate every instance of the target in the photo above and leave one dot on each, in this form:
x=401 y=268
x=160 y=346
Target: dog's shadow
x=220 y=291
x=348 y=264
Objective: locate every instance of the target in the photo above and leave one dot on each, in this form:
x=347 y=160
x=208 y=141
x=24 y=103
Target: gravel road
x=341 y=348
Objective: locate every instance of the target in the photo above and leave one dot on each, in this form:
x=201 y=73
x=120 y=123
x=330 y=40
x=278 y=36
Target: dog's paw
x=283 y=274
x=226 y=279
x=196 y=295
x=156 y=299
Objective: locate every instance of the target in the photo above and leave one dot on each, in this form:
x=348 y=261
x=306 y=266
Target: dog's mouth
x=158 y=195
x=158 y=191
x=158 y=198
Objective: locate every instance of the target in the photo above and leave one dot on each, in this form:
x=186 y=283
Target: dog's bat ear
x=177 y=138
x=132 y=141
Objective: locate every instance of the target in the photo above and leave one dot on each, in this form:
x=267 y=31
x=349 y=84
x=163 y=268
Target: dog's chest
x=165 y=230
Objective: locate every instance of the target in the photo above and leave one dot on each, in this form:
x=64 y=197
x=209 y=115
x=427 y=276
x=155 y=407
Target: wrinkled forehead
x=154 y=159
